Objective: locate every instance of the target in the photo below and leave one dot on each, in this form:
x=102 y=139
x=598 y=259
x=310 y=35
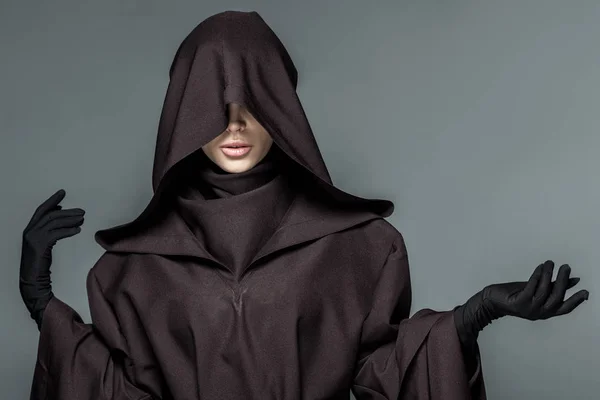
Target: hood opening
x=234 y=56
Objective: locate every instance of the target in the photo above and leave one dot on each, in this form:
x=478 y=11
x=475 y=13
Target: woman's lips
x=236 y=151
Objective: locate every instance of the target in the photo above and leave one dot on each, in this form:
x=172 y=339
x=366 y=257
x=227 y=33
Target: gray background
x=479 y=119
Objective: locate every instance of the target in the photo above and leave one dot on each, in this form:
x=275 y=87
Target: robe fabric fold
x=235 y=214
x=318 y=308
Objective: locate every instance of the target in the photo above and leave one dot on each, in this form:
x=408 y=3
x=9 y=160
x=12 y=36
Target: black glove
x=539 y=298
x=48 y=224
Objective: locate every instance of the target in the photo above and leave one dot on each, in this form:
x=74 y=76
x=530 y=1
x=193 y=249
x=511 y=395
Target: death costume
x=270 y=284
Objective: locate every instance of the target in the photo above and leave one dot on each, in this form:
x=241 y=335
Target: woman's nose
x=235 y=125
x=236 y=121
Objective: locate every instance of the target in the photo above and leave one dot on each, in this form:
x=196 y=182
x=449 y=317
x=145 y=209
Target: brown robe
x=321 y=309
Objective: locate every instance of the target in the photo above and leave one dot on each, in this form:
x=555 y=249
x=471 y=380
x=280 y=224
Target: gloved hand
x=539 y=298
x=48 y=224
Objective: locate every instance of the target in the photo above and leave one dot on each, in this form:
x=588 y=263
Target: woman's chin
x=236 y=166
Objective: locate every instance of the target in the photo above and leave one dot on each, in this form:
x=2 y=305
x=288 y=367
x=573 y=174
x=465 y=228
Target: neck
x=218 y=183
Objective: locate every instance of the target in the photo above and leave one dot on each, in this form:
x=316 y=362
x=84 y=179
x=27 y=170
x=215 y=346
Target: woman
x=249 y=275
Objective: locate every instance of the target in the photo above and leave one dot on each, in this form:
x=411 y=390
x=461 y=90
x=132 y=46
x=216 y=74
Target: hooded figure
x=268 y=284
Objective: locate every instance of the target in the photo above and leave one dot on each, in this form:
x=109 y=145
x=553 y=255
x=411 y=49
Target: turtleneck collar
x=234 y=214
x=218 y=183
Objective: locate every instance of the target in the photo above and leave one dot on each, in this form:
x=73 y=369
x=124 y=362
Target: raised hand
x=48 y=224
x=538 y=298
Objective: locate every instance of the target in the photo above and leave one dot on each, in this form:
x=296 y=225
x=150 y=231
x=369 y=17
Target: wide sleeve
x=415 y=358
x=79 y=361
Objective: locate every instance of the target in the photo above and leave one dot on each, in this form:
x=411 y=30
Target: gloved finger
x=58 y=234
x=543 y=289
x=58 y=214
x=47 y=205
x=573 y=282
x=532 y=284
x=64 y=222
x=558 y=288
x=572 y=302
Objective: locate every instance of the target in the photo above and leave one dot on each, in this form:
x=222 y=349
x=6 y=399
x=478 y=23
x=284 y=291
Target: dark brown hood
x=234 y=56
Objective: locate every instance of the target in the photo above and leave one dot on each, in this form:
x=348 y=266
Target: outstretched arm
x=415 y=357
x=538 y=298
